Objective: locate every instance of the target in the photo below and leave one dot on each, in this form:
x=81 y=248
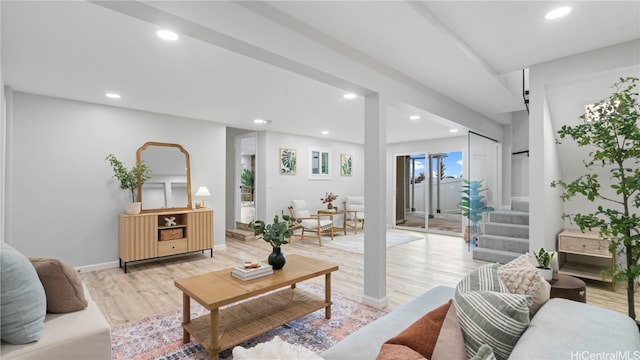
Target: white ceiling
x=471 y=52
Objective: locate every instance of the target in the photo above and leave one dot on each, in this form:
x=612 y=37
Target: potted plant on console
x=276 y=235
x=130 y=180
x=544 y=258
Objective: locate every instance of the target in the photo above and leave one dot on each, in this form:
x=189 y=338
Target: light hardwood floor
x=412 y=268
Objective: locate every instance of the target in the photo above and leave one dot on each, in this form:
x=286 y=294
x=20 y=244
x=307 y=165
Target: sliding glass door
x=428 y=192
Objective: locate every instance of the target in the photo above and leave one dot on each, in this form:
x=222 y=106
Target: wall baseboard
x=96 y=267
x=377 y=303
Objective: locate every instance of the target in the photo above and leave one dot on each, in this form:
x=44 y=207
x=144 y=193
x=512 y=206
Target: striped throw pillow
x=484 y=278
x=493 y=318
x=484 y=353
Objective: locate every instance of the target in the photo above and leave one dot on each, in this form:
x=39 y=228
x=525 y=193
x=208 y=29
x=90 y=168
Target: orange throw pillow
x=422 y=335
x=398 y=352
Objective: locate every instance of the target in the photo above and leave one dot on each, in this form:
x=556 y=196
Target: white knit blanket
x=275 y=349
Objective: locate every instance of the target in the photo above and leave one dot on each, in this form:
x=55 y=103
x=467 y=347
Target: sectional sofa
x=558 y=329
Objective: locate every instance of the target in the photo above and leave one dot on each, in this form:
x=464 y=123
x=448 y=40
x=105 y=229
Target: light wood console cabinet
x=584 y=255
x=148 y=235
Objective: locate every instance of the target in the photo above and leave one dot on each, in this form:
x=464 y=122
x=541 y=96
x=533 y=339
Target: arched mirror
x=170 y=185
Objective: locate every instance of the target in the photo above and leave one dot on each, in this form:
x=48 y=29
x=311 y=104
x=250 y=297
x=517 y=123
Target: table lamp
x=202 y=192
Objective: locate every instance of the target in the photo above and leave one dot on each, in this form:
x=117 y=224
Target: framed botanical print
x=319 y=163
x=346 y=165
x=288 y=161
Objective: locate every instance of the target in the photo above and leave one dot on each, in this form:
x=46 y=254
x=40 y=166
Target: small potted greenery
x=544 y=258
x=276 y=235
x=130 y=180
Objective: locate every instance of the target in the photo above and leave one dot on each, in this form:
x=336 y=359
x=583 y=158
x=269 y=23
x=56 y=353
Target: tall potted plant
x=276 y=234
x=130 y=180
x=472 y=205
x=610 y=128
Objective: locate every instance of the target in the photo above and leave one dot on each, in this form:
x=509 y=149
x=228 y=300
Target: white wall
x=279 y=190
x=545 y=205
x=65 y=199
x=458 y=143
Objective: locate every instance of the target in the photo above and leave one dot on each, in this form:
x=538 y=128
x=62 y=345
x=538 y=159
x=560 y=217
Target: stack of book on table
x=250 y=271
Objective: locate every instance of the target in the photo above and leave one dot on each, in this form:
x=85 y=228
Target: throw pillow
x=492 y=318
x=450 y=343
x=422 y=335
x=484 y=278
x=61 y=283
x=23 y=305
x=398 y=352
x=484 y=353
x=521 y=277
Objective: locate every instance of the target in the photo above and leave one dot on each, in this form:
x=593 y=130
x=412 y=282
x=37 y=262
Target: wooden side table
x=569 y=287
x=589 y=255
x=335 y=211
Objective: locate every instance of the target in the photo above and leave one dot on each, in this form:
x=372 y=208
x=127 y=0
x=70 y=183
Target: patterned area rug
x=355 y=243
x=160 y=336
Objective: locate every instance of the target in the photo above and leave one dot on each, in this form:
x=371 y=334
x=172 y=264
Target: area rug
x=355 y=243
x=160 y=336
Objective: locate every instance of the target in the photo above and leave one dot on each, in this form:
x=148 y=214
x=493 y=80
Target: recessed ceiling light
x=414 y=117
x=557 y=13
x=261 y=121
x=325 y=132
x=167 y=35
x=349 y=96
x=112 y=95
x=453 y=130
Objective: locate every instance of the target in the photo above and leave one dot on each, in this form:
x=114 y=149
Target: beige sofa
x=83 y=334
x=562 y=329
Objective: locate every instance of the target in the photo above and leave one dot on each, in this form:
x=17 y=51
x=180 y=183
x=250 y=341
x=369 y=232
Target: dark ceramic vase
x=277 y=259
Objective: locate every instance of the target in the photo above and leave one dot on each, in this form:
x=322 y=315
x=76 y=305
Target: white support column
x=375 y=249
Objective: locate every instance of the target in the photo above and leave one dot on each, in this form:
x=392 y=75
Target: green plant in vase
x=130 y=179
x=472 y=205
x=544 y=258
x=276 y=234
x=611 y=128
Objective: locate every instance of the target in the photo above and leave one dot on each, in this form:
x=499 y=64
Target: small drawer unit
x=584 y=255
x=172 y=247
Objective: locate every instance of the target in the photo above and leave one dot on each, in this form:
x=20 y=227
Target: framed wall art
x=346 y=165
x=319 y=163
x=288 y=161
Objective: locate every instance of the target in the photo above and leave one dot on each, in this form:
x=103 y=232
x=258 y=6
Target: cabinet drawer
x=584 y=246
x=170 y=247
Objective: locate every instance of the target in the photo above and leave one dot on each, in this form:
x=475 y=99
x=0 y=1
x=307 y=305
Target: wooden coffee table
x=224 y=328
